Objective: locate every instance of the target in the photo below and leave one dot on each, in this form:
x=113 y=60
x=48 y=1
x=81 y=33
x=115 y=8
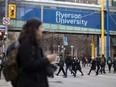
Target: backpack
x=11 y=69
x=109 y=61
x=102 y=60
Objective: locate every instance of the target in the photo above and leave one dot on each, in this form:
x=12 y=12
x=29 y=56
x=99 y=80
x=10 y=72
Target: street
x=108 y=80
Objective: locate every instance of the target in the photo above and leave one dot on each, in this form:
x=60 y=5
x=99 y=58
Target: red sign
x=6 y=21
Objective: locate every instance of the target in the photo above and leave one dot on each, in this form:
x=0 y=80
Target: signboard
x=66 y=16
x=73 y=17
x=2 y=27
x=6 y=21
x=65 y=40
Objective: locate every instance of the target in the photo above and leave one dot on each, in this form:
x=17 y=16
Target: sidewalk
x=107 y=80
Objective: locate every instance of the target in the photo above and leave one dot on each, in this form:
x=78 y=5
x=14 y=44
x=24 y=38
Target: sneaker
x=82 y=74
x=56 y=74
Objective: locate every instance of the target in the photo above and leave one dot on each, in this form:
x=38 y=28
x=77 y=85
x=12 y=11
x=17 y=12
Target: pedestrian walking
x=93 y=66
x=114 y=64
x=61 y=66
x=98 y=64
x=74 y=64
x=68 y=62
x=83 y=61
x=78 y=67
x=109 y=63
x=103 y=64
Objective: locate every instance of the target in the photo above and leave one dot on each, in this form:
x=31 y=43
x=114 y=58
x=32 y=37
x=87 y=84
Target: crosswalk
x=104 y=80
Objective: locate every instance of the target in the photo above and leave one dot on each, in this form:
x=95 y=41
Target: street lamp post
x=72 y=51
x=107 y=40
x=6 y=27
x=58 y=49
x=64 y=51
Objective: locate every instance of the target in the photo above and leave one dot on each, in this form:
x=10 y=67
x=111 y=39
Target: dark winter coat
x=61 y=62
x=78 y=66
x=98 y=61
x=93 y=65
x=68 y=61
x=73 y=64
x=114 y=63
x=33 y=64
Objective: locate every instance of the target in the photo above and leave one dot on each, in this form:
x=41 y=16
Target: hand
x=51 y=57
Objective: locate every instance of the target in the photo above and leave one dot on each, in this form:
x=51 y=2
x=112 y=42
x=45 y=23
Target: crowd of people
x=97 y=65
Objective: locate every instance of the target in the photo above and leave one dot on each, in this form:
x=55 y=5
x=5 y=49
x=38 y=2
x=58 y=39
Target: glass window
x=76 y=1
x=114 y=2
x=25 y=12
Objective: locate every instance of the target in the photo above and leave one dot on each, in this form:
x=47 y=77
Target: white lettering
x=67 y=18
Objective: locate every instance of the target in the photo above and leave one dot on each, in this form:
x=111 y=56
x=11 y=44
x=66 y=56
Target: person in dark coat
x=98 y=64
x=30 y=57
x=74 y=64
x=61 y=66
x=68 y=62
x=93 y=66
x=109 y=62
x=103 y=64
x=78 y=66
x=114 y=64
x=84 y=61
x=2 y=61
x=0 y=64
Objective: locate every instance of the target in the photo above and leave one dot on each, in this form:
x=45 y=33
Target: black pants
x=90 y=71
x=98 y=68
x=61 y=69
x=0 y=70
x=80 y=71
x=103 y=69
x=114 y=70
x=109 y=67
x=70 y=68
x=74 y=69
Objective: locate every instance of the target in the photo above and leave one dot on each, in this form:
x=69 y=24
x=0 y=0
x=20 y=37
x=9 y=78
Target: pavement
x=107 y=80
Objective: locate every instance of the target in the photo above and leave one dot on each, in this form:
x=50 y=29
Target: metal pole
x=58 y=50
x=107 y=38
x=93 y=46
x=102 y=24
x=6 y=27
x=42 y=12
x=72 y=51
x=97 y=45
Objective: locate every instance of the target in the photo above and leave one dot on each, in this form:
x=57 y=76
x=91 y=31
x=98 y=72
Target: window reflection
x=80 y=1
x=77 y=1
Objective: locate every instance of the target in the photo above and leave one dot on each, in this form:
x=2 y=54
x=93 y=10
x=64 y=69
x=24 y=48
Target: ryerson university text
x=70 y=18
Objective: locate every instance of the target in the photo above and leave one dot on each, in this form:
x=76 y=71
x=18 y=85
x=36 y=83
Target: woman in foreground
x=31 y=60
